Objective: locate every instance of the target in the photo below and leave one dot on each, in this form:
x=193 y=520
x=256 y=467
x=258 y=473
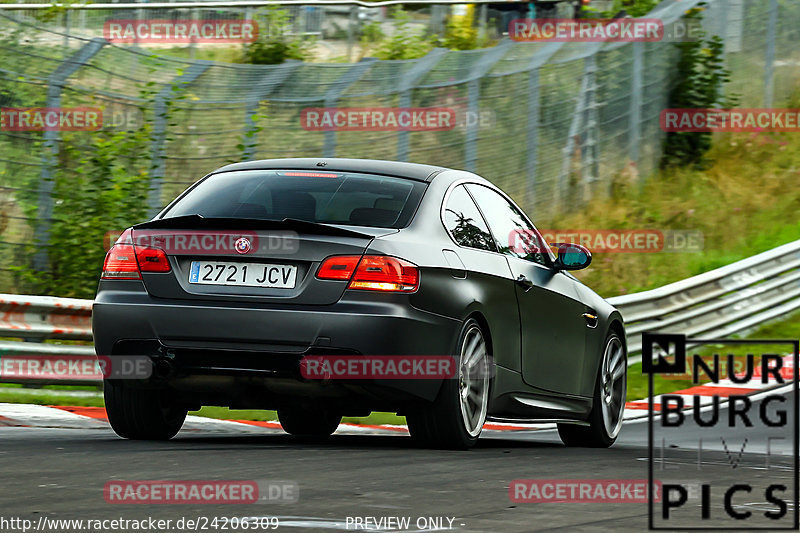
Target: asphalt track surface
x=60 y=474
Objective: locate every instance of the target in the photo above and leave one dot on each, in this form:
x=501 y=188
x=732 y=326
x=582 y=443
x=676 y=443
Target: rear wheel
x=608 y=406
x=456 y=417
x=308 y=422
x=141 y=413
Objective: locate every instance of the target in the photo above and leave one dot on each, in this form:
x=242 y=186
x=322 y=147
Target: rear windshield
x=346 y=198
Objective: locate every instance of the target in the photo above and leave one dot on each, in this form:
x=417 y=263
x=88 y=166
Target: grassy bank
x=746 y=202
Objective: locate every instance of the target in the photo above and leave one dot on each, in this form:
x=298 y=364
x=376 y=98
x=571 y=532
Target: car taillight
x=338 y=267
x=152 y=259
x=121 y=263
x=383 y=273
x=372 y=272
x=126 y=261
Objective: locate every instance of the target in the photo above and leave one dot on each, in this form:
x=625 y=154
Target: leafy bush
x=460 y=34
x=406 y=42
x=634 y=8
x=699 y=83
x=277 y=43
x=101 y=183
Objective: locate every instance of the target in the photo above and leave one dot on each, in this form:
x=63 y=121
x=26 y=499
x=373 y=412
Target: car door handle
x=524 y=282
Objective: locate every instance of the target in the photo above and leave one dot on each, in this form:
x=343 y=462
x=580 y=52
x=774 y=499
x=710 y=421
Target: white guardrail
x=718 y=303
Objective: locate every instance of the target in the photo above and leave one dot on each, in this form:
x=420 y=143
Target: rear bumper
x=263 y=344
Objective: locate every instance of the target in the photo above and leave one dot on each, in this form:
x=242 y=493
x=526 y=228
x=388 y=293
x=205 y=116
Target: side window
x=512 y=232
x=465 y=223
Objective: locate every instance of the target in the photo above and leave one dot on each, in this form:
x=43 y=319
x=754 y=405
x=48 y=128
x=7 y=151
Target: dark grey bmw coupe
x=324 y=288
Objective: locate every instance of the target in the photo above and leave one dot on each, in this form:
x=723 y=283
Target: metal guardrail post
x=55 y=85
x=352 y=75
x=484 y=64
x=769 y=60
x=160 y=132
x=274 y=78
x=409 y=81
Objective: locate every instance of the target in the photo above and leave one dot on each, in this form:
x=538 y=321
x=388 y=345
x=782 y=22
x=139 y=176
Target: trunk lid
x=212 y=258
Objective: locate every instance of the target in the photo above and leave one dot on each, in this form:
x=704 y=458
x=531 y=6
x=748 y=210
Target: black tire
x=443 y=424
x=308 y=422
x=597 y=433
x=140 y=413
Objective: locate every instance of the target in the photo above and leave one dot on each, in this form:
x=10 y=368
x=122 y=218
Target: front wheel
x=608 y=405
x=456 y=417
x=140 y=413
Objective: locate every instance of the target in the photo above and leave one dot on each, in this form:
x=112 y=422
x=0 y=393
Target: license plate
x=243 y=274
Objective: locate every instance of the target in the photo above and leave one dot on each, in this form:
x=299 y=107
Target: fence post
x=569 y=148
x=769 y=62
x=409 y=81
x=55 y=85
x=157 y=147
x=437 y=19
x=635 y=117
x=351 y=20
x=192 y=43
x=274 y=77
x=534 y=108
x=67 y=25
x=352 y=75
x=589 y=156
x=483 y=65
x=482 y=22
x=533 y=135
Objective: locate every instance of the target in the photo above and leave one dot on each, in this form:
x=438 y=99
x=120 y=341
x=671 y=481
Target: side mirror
x=572 y=256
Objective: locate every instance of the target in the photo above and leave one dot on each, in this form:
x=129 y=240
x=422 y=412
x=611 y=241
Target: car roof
x=399 y=169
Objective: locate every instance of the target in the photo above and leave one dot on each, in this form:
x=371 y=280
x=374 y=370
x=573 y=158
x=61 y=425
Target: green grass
x=746 y=202
x=47 y=396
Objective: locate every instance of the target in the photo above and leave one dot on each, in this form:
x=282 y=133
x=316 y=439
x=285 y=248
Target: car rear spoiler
x=195 y=222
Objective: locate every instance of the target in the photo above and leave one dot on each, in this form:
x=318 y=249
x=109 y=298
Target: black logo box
x=671 y=343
